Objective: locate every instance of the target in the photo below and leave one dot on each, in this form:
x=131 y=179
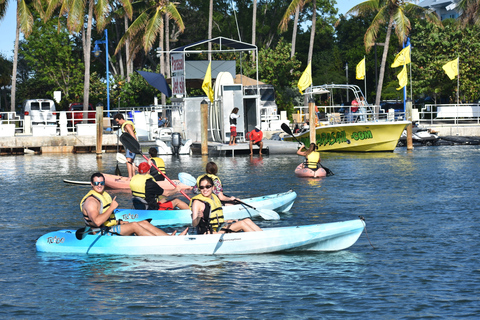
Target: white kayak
x=279 y=202
x=320 y=237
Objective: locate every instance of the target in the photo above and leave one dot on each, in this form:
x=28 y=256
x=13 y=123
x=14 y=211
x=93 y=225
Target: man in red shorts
x=144 y=186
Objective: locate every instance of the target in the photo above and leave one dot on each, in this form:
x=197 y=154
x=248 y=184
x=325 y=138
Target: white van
x=41 y=111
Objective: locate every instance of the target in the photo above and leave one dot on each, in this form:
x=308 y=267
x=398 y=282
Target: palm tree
x=394 y=14
x=469 y=12
x=75 y=12
x=24 y=24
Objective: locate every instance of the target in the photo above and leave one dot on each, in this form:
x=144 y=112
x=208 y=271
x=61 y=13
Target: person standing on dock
x=127 y=126
x=256 y=137
x=233 y=126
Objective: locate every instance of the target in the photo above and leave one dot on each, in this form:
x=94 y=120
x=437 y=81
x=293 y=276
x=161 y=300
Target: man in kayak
x=207 y=213
x=158 y=162
x=144 y=186
x=127 y=126
x=97 y=207
x=256 y=137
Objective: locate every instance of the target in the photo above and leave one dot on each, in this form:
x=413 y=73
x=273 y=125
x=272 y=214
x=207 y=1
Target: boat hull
x=304 y=172
x=280 y=202
x=356 y=137
x=321 y=237
x=119 y=182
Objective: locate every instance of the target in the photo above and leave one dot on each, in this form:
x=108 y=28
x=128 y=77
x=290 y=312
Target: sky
x=7 y=25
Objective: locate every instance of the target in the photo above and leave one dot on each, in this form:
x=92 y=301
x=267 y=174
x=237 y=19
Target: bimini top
x=223 y=42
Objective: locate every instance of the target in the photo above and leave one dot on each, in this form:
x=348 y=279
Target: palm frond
x=372 y=31
x=25 y=18
x=283 y=25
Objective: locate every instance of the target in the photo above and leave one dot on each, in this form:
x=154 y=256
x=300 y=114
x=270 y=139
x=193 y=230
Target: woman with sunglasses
x=207 y=213
x=212 y=169
x=97 y=207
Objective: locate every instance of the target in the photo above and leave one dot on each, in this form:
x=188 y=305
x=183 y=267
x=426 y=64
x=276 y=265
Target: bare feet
x=184 y=232
x=260 y=153
x=174 y=232
x=251 y=154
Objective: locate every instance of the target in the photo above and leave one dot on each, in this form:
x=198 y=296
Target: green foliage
x=52 y=64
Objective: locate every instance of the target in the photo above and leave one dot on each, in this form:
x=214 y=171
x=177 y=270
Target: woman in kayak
x=312 y=156
x=207 y=213
x=212 y=170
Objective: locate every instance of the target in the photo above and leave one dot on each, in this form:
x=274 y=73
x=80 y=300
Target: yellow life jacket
x=131 y=123
x=137 y=184
x=160 y=165
x=105 y=201
x=213 y=211
x=313 y=159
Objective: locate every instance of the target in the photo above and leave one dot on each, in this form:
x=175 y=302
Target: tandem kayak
x=280 y=202
x=119 y=182
x=305 y=172
x=320 y=237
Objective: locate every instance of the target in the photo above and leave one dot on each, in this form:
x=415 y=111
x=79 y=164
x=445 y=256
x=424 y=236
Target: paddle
x=121 y=158
x=81 y=233
x=287 y=130
x=133 y=145
x=266 y=214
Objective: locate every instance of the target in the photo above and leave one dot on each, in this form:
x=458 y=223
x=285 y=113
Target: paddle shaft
x=132 y=144
x=287 y=129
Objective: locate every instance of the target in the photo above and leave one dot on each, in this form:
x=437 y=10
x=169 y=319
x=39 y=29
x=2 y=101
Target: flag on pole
x=451 y=69
x=361 y=70
x=402 y=58
x=207 y=83
x=402 y=78
x=306 y=78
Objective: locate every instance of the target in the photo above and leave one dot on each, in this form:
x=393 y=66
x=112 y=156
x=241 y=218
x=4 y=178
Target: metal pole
x=204 y=126
x=346 y=72
x=108 y=75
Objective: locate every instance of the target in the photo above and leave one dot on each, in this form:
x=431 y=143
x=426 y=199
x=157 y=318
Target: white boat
x=320 y=237
x=169 y=142
x=279 y=202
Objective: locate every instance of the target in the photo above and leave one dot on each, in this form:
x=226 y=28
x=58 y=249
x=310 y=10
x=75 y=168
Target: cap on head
x=257 y=127
x=143 y=167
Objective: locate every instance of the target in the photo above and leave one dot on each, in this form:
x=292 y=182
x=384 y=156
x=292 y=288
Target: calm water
x=421 y=210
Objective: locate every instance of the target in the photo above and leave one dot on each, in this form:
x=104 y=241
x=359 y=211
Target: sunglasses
x=96 y=183
x=205 y=187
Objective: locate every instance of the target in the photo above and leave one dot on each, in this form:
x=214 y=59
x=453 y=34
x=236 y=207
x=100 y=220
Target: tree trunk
x=119 y=55
x=294 y=33
x=162 y=56
x=15 y=62
x=87 y=44
x=312 y=32
x=127 y=52
x=254 y=26
x=382 y=66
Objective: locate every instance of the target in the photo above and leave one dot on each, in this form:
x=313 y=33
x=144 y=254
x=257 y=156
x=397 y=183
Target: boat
x=169 y=142
x=118 y=182
x=305 y=172
x=309 y=238
x=420 y=137
x=347 y=131
x=279 y=202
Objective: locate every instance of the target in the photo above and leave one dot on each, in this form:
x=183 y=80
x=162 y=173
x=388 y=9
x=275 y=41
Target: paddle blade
x=130 y=143
x=187 y=179
x=117 y=171
x=328 y=171
x=268 y=214
x=80 y=234
x=121 y=158
x=286 y=128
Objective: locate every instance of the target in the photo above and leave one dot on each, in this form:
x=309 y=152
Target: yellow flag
x=403 y=57
x=207 y=82
x=402 y=78
x=306 y=78
x=451 y=69
x=361 y=70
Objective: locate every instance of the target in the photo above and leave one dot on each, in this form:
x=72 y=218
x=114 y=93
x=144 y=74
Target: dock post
x=408 y=115
x=204 y=126
x=99 y=120
x=311 y=119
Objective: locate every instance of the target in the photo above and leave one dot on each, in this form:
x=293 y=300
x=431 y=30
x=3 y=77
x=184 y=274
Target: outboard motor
x=176 y=142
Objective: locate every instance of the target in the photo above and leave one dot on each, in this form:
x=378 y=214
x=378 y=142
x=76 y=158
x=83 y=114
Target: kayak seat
x=139 y=203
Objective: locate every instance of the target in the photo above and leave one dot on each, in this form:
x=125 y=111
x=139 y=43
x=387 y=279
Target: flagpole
x=365 y=79
x=458 y=79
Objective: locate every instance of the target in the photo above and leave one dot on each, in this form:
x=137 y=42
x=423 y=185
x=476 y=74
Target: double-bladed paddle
x=133 y=145
x=287 y=130
x=266 y=214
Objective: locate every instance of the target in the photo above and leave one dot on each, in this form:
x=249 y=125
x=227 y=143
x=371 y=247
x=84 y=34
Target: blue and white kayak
x=320 y=237
x=279 y=202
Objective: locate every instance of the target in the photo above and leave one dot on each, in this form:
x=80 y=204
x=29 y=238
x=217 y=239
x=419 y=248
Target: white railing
x=454 y=114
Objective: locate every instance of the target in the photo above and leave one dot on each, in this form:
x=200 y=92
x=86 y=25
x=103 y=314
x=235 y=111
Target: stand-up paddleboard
x=76 y=182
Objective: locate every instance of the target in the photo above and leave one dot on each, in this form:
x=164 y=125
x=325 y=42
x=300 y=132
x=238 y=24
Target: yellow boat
x=356 y=137
x=356 y=128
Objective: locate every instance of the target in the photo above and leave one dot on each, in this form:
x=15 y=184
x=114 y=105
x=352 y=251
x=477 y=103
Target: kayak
x=305 y=172
x=319 y=237
x=280 y=202
x=119 y=182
